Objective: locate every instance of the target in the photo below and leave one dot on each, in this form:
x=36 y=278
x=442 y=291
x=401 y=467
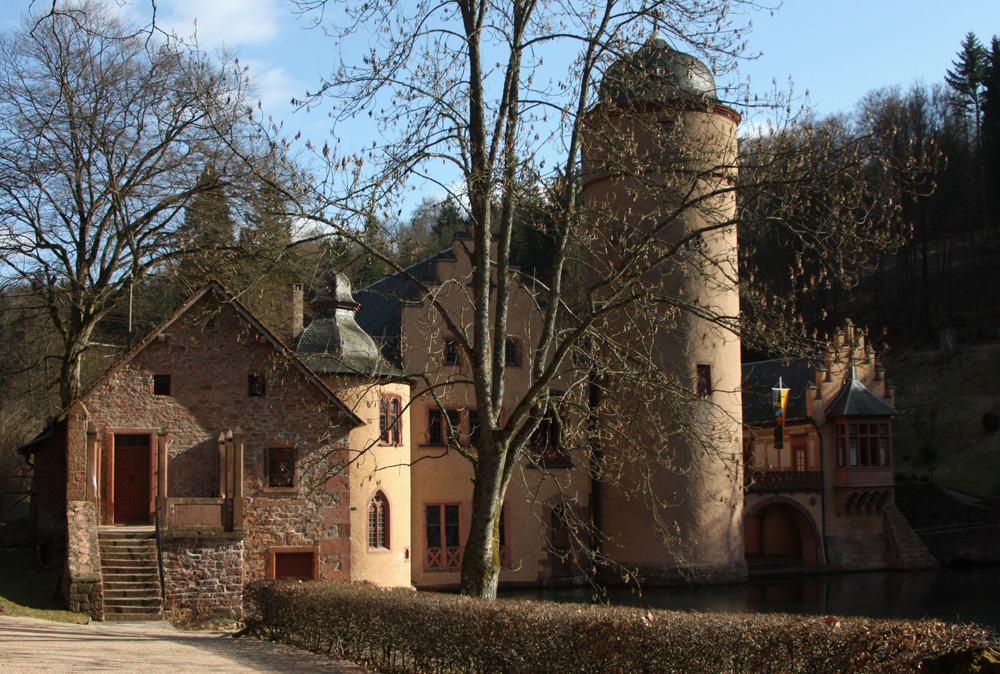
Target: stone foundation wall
x=82 y=582
x=204 y=576
x=856 y=551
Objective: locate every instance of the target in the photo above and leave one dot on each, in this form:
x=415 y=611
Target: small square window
x=451 y=356
x=704 y=379
x=256 y=386
x=161 y=384
x=280 y=467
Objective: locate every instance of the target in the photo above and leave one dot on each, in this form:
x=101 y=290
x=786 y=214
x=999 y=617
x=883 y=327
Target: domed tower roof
x=657 y=72
x=334 y=343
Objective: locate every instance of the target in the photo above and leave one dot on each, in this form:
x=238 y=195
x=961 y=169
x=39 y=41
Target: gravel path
x=32 y=645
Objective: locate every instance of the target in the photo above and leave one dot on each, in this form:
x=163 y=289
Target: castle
x=216 y=452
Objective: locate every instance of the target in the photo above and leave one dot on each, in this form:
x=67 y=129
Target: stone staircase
x=131 y=575
x=906 y=550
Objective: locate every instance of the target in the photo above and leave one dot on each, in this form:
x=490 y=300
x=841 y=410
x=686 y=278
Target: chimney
x=295 y=327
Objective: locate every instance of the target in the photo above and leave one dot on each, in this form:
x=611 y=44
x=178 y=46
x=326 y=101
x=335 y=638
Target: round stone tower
x=659 y=165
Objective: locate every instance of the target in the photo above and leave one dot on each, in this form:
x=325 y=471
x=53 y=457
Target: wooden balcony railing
x=784 y=480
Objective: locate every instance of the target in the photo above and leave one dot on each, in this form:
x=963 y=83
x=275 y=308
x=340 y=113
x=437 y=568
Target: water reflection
x=967 y=595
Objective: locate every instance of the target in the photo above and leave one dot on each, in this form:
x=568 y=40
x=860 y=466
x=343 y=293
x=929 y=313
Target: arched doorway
x=779 y=533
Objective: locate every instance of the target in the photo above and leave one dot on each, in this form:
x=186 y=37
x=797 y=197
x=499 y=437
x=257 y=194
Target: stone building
x=212 y=434
x=822 y=498
x=318 y=454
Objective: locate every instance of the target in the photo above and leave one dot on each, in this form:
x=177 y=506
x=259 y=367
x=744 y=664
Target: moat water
x=966 y=595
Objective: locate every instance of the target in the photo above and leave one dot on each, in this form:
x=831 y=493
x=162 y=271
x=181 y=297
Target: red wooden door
x=131 y=479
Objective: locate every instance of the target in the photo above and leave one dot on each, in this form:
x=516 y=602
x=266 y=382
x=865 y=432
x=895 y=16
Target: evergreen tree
x=269 y=258
x=210 y=232
x=991 y=119
x=966 y=80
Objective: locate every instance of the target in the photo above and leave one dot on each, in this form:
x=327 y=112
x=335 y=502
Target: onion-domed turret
x=334 y=342
x=657 y=72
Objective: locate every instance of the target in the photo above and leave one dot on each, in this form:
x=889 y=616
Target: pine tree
x=209 y=230
x=966 y=80
x=269 y=259
x=991 y=117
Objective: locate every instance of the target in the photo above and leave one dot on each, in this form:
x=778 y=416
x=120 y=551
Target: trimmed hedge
x=409 y=632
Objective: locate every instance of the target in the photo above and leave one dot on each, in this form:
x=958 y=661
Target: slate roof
x=760 y=377
x=334 y=343
x=657 y=72
x=855 y=400
x=381 y=313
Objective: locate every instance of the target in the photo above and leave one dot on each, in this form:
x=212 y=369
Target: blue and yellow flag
x=779 y=396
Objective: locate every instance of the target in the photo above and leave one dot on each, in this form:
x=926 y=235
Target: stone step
x=131 y=576
x=116 y=578
x=127 y=612
x=134 y=617
x=128 y=549
x=141 y=591
x=119 y=560
x=145 y=601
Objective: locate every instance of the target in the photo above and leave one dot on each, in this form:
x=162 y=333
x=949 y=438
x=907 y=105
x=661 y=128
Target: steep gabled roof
x=855 y=400
x=760 y=377
x=381 y=313
x=226 y=297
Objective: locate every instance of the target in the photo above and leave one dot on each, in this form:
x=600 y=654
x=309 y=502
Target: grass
x=943 y=400
x=27 y=592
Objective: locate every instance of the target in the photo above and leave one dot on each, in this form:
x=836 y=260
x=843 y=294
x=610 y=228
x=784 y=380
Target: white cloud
x=276 y=86
x=230 y=22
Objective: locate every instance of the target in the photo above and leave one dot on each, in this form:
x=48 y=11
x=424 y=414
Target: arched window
x=390 y=409
x=378 y=521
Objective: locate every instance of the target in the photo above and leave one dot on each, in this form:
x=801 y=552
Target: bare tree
x=103 y=134
x=463 y=84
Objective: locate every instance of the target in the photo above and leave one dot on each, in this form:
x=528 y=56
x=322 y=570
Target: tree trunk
x=481 y=558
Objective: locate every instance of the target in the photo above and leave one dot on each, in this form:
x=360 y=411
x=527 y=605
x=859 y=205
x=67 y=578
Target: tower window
x=390 y=424
x=704 y=384
x=451 y=353
x=378 y=522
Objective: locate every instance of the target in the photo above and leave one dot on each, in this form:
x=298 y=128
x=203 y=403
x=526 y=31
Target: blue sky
x=837 y=51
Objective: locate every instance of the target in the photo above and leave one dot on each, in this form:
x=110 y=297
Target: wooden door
x=131 y=496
